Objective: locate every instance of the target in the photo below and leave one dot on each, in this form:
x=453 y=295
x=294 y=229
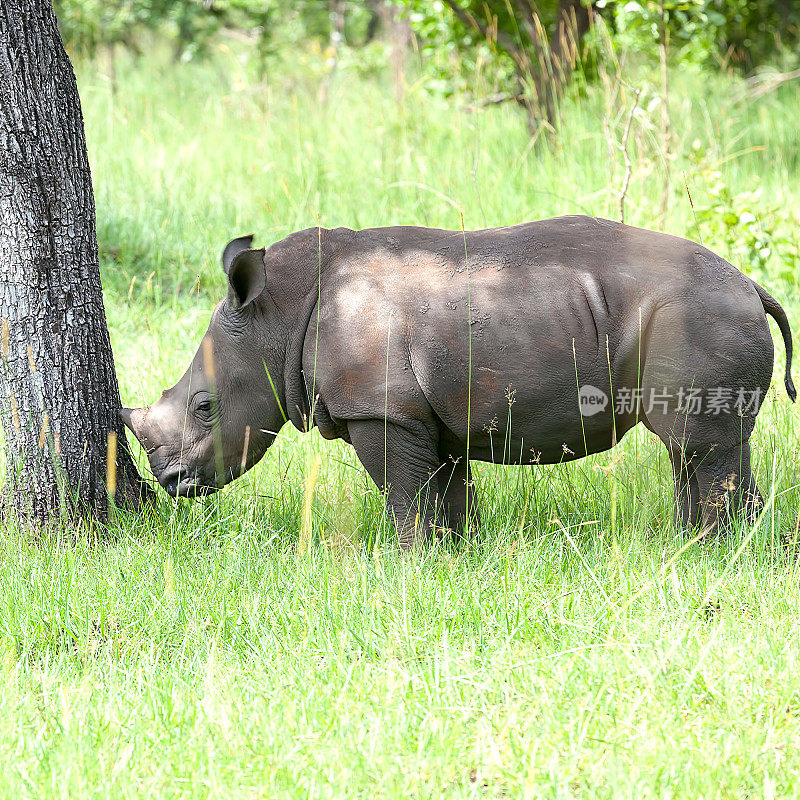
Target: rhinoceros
x=537 y=343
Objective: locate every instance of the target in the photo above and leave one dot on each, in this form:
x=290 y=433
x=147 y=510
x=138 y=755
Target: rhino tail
x=775 y=310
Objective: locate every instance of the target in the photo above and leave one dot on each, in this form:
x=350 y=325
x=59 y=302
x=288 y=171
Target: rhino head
x=223 y=414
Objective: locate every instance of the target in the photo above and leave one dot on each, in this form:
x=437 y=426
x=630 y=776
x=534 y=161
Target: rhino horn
x=133 y=419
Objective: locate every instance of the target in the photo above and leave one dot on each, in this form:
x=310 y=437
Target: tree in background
x=535 y=45
x=59 y=399
x=527 y=49
x=539 y=42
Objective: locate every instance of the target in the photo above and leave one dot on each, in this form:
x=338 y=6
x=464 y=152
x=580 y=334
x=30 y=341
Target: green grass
x=579 y=647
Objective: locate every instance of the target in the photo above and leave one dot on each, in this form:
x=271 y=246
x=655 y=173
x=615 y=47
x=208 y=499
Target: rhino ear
x=246 y=277
x=233 y=248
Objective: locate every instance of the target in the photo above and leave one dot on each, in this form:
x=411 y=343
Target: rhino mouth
x=181 y=484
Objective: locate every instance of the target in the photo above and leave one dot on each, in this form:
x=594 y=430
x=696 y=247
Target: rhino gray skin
x=384 y=338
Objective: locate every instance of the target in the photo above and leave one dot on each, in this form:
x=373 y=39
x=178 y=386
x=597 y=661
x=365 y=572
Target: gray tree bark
x=59 y=397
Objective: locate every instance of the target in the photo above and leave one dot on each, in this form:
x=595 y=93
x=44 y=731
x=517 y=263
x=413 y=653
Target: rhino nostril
x=170 y=481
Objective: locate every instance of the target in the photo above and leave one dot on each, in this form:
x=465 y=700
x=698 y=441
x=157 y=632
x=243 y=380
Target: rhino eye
x=202 y=409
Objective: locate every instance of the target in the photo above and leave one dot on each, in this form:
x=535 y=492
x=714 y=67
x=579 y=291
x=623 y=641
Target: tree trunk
x=386 y=19
x=561 y=54
x=543 y=67
x=399 y=30
x=375 y=9
x=59 y=398
x=336 y=10
x=574 y=21
x=784 y=36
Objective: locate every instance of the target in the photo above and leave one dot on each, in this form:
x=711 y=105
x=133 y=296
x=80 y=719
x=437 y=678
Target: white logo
x=592 y=400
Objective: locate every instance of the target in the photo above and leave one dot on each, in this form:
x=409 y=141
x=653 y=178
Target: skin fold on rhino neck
x=313 y=250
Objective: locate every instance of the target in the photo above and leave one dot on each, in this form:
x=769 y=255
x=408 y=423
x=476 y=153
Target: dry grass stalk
x=626 y=181
x=244 y=449
x=306 y=522
x=45 y=427
x=111 y=465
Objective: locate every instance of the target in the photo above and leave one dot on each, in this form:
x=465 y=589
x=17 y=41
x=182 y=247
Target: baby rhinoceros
x=536 y=343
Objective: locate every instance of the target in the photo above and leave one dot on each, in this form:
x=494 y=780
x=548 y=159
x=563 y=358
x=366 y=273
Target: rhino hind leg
x=712 y=485
x=713 y=482
x=727 y=487
x=699 y=359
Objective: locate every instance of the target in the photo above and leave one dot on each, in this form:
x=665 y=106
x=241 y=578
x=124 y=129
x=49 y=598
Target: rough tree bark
x=59 y=397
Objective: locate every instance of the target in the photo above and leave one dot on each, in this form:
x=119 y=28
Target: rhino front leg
x=457 y=487
x=402 y=460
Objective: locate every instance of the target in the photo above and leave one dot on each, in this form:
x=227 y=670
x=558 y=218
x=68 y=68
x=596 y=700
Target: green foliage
x=746 y=33
x=754 y=32
x=87 y=25
x=691 y=28
x=750 y=233
x=453 y=53
x=435 y=21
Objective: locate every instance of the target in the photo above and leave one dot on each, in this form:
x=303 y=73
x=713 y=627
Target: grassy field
x=580 y=648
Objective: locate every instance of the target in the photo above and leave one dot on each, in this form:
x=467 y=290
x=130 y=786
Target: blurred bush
x=523 y=38
x=90 y=25
x=743 y=33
